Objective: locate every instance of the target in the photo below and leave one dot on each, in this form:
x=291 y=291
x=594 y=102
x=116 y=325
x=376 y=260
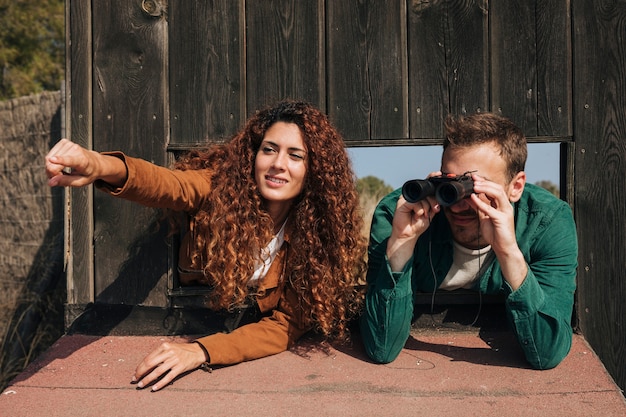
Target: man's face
x=484 y=160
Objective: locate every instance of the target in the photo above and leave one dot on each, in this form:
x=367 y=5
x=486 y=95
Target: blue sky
x=395 y=165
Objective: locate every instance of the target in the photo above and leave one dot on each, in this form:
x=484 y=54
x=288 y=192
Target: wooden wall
x=383 y=70
x=599 y=113
x=151 y=77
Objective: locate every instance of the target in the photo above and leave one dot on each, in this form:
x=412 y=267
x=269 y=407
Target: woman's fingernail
x=140 y=384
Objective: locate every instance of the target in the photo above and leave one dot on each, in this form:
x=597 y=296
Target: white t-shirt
x=466 y=266
x=267 y=256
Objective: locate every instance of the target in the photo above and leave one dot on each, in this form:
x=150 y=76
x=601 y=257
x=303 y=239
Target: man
x=507 y=237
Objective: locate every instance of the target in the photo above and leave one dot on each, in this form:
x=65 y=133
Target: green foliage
x=371 y=189
x=32 y=46
x=550 y=186
x=373 y=186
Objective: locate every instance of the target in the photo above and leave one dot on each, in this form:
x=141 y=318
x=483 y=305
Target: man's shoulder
x=534 y=194
x=539 y=201
x=390 y=200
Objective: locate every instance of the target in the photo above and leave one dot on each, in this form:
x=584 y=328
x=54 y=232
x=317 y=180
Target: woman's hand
x=70 y=165
x=166 y=363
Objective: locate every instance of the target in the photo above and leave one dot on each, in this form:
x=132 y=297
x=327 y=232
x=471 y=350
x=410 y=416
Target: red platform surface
x=437 y=374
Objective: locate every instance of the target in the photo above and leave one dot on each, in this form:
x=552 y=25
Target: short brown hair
x=479 y=128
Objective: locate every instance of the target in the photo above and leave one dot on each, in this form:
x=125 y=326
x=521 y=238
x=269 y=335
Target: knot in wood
x=153 y=8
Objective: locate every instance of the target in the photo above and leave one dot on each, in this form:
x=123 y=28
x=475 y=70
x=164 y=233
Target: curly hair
x=327 y=249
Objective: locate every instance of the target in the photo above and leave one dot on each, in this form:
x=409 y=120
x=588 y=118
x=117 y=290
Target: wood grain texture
x=448 y=61
x=130 y=114
x=599 y=132
x=284 y=52
x=514 y=62
x=554 y=68
x=467 y=56
x=80 y=273
x=387 y=73
x=367 y=68
x=429 y=94
x=207 y=70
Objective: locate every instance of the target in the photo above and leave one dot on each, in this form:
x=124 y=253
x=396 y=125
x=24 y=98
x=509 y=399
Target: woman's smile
x=280 y=167
x=275 y=180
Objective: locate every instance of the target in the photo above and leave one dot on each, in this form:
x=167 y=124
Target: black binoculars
x=447 y=189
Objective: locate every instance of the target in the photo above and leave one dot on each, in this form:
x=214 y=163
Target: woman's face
x=281 y=165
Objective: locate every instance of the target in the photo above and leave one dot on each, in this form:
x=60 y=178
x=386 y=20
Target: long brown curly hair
x=326 y=256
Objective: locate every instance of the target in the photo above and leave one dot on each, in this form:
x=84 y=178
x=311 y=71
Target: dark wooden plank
x=567 y=171
x=367 y=68
x=129 y=114
x=467 y=56
x=207 y=70
x=80 y=274
x=429 y=98
x=514 y=62
x=599 y=131
x=284 y=52
x=554 y=68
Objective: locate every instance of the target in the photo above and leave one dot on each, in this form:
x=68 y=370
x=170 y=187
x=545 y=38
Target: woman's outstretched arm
x=71 y=165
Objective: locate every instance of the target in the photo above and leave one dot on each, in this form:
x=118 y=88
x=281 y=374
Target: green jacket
x=539 y=311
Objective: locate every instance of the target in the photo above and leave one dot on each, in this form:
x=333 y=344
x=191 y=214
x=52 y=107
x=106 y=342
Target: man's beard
x=468 y=236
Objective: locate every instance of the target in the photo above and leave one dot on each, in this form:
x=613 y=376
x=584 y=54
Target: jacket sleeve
x=386 y=321
x=273 y=334
x=155 y=186
x=541 y=308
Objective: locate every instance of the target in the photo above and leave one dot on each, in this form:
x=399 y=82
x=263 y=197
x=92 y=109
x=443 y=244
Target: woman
x=275 y=221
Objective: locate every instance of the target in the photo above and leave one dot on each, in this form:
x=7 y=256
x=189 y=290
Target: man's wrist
x=514 y=268
x=399 y=252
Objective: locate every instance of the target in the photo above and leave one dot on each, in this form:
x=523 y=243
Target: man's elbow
x=381 y=357
x=381 y=346
x=546 y=363
x=550 y=358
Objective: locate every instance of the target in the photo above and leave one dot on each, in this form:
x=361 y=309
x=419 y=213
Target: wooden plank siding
x=514 y=62
x=367 y=69
x=284 y=52
x=429 y=100
x=554 y=69
x=80 y=271
x=150 y=77
x=531 y=65
x=467 y=57
x=600 y=132
x=207 y=91
x=130 y=113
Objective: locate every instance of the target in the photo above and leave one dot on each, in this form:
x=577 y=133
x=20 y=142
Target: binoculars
x=448 y=189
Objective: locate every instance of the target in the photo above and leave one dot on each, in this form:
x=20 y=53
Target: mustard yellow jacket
x=283 y=322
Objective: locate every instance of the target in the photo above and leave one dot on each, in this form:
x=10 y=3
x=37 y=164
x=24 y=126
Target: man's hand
x=497 y=227
x=410 y=221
